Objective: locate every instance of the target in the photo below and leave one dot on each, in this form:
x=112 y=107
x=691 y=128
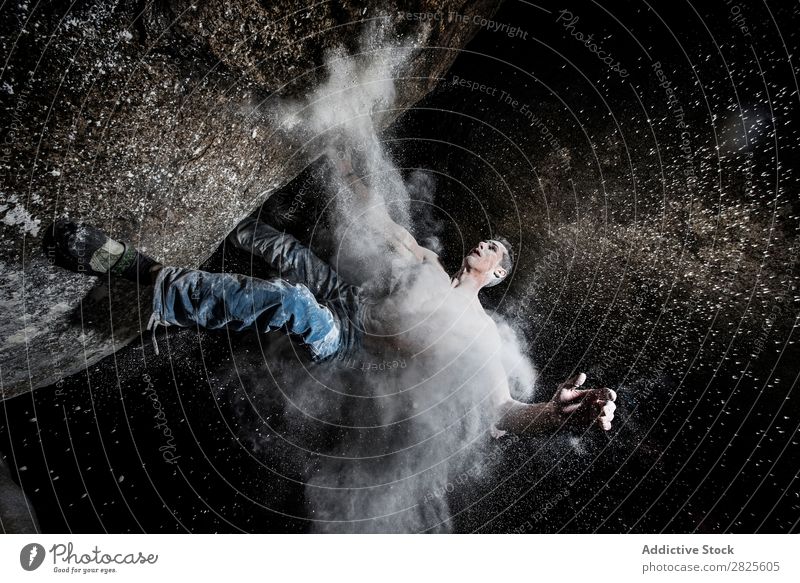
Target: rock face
x=158 y=124
x=16 y=512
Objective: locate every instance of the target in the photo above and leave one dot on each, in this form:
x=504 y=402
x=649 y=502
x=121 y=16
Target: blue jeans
x=308 y=301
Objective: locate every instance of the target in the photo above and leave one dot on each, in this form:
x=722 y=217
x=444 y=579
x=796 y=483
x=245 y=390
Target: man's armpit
x=429 y=256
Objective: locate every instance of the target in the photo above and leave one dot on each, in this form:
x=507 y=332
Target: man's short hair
x=506 y=263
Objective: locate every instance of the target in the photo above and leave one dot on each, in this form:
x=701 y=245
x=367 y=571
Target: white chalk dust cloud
x=401 y=420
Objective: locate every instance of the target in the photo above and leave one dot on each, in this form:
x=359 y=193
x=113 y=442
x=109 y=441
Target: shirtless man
x=425 y=308
x=422 y=309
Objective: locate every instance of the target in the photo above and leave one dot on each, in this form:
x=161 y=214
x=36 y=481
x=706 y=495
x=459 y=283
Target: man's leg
x=293 y=260
x=86 y=249
x=190 y=297
x=298 y=264
x=186 y=297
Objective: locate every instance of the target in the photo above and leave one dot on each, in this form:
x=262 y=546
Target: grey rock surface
x=16 y=512
x=157 y=122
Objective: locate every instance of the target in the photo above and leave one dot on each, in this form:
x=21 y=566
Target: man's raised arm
x=396 y=236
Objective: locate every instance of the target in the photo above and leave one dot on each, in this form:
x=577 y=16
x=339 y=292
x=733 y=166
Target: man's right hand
x=571 y=407
x=579 y=408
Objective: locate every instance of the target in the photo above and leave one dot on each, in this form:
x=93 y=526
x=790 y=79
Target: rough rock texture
x=156 y=122
x=16 y=512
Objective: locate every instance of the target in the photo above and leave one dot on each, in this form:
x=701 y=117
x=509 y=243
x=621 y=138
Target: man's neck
x=467 y=281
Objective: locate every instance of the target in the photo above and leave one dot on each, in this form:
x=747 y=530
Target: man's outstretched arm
x=571 y=407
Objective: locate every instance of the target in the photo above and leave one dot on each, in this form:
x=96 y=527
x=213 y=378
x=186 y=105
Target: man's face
x=485 y=259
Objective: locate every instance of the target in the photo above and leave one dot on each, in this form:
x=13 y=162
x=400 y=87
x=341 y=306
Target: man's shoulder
x=432 y=259
x=491 y=323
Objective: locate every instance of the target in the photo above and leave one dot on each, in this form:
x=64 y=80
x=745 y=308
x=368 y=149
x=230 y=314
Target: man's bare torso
x=419 y=311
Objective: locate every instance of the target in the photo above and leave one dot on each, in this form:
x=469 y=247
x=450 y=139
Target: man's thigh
x=290 y=258
x=190 y=297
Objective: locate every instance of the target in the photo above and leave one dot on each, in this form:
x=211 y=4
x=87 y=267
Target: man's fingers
x=607 y=410
x=570 y=388
x=591 y=405
x=572 y=398
x=569 y=391
x=606 y=415
x=604 y=394
x=573 y=406
x=573 y=382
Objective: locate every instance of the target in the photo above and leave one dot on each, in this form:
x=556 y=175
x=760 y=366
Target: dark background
x=706 y=365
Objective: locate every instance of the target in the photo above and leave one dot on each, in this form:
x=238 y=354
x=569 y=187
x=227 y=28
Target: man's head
x=491 y=260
